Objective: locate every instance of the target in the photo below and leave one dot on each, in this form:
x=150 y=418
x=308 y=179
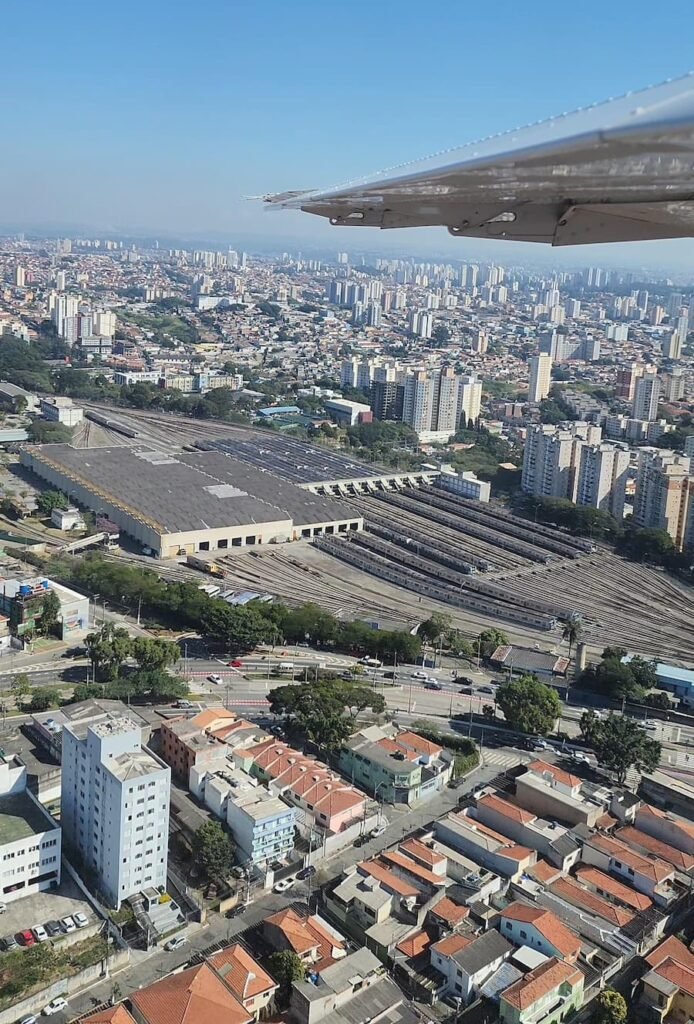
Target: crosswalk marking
x=504 y=758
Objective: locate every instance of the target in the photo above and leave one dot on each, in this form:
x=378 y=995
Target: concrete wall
x=66 y=987
x=340 y=840
x=548 y=803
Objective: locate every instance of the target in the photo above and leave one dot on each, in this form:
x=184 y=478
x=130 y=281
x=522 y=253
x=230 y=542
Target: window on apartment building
x=523 y=934
x=618 y=863
x=509 y=926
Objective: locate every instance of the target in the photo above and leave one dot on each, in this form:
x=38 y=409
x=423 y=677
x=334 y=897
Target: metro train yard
x=424 y=549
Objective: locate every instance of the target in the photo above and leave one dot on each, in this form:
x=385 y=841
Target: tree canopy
x=620 y=744
x=213 y=849
x=529 y=706
x=325 y=712
x=620 y=680
x=609 y=1007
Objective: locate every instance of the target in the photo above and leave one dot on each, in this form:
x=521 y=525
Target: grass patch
x=26 y=971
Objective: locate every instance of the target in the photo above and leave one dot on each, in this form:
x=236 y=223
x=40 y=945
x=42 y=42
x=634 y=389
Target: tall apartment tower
x=602 y=478
x=115 y=805
x=20 y=277
x=646 y=397
x=551 y=458
x=664 y=498
x=469 y=400
x=418 y=400
x=540 y=373
x=627 y=377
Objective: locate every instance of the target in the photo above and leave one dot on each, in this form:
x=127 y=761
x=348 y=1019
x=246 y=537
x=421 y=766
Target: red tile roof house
x=649 y=874
x=552 y=841
x=252 y=986
x=195 y=996
x=540 y=929
x=666 y=827
x=311 y=938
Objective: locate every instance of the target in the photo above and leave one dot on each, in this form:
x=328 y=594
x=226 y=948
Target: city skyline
x=177 y=126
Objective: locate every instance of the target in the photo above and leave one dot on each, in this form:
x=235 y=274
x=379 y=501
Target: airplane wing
x=618 y=171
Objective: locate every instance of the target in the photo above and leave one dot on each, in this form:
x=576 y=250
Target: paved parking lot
x=44 y=906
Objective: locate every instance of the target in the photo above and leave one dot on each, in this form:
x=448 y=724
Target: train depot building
x=190 y=502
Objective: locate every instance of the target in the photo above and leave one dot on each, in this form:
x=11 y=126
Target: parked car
x=40 y=933
x=284 y=884
x=183 y=703
x=238 y=910
x=378 y=831
x=176 y=943
x=67 y=924
x=55 y=1006
x=8 y=943
x=80 y=919
x=3 y=908
x=214 y=678
x=306 y=873
x=53 y=928
x=26 y=938
x=360 y=840
x=580 y=757
x=29 y=1018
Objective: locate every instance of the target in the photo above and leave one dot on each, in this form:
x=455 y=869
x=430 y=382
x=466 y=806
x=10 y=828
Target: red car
x=26 y=938
x=235 y=663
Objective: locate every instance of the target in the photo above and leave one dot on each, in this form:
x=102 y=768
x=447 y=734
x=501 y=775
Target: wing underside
x=620 y=171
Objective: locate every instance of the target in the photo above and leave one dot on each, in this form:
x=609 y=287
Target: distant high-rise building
x=348 y=373
x=418 y=401
x=387 y=399
x=342 y=258
x=373 y=314
x=469 y=400
x=335 y=292
x=540 y=372
x=646 y=397
x=672 y=384
x=421 y=323
x=65 y=307
x=480 y=342
x=656 y=315
x=675 y=304
x=672 y=346
x=626 y=381
x=358 y=313
x=60 y=281
x=642 y=299
x=20 y=277
x=573 y=308
x=105 y=323
x=602 y=477
x=114 y=807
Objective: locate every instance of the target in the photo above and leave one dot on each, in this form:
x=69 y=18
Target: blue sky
x=159 y=117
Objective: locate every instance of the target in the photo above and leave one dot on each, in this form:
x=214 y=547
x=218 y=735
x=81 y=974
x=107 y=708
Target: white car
x=40 y=933
x=419 y=675
x=378 y=831
x=284 y=884
x=67 y=924
x=80 y=919
x=173 y=944
x=55 y=1006
x=214 y=678
x=579 y=756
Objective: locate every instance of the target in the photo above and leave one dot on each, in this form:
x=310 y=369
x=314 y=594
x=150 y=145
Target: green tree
x=620 y=744
x=108 y=649
x=50 y=610
x=86 y=691
x=213 y=850
x=318 y=710
x=590 y=727
x=155 y=654
x=489 y=640
x=437 y=625
x=21 y=688
x=572 y=630
x=286 y=967
x=609 y=1008
x=48 y=500
x=43 y=698
x=529 y=706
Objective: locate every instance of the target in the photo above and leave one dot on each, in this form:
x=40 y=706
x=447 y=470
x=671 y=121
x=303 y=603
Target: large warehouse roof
x=295 y=460
x=191 y=491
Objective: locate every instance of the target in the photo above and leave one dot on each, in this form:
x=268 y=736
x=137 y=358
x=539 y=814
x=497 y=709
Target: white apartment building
x=421 y=323
x=63 y=308
x=105 y=323
x=30 y=840
x=418 y=400
x=552 y=456
x=602 y=478
x=469 y=399
x=115 y=805
x=646 y=397
x=61 y=410
x=540 y=377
